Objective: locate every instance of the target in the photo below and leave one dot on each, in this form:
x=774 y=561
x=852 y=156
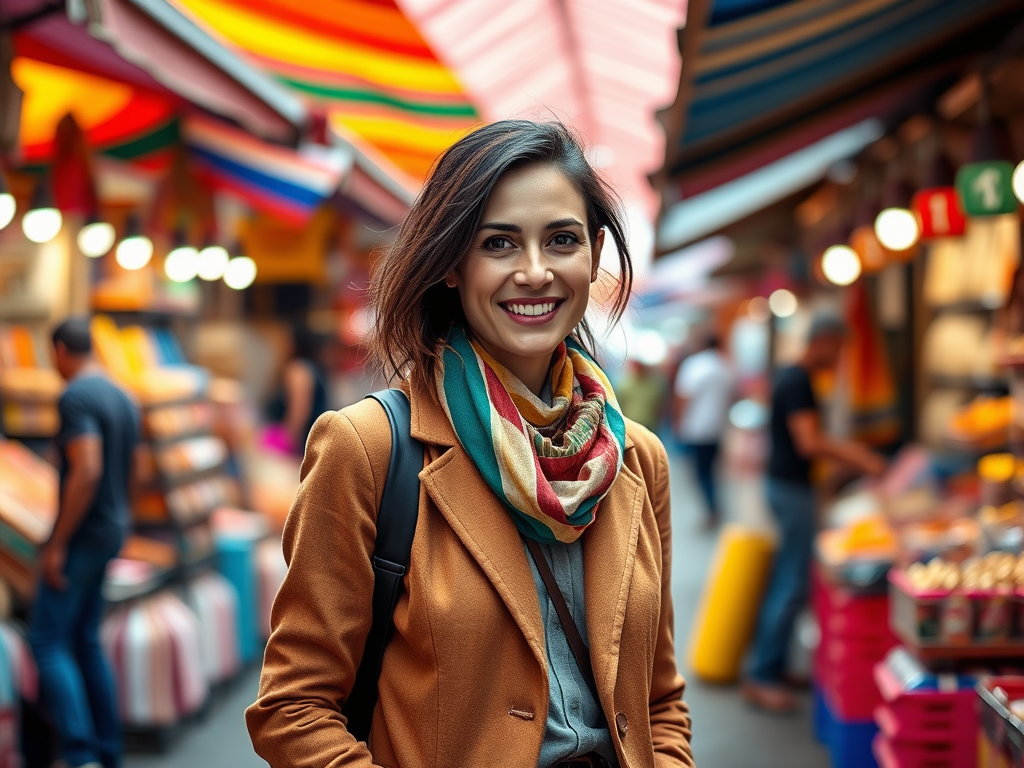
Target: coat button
x=620 y=723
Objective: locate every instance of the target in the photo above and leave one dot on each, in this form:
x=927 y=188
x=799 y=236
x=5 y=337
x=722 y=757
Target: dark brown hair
x=413 y=307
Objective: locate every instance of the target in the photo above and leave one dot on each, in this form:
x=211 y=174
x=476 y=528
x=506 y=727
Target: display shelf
x=120 y=594
x=974 y=652
x=963 y=307
x=159 y=443
x=170 y=482
x=1000 y=383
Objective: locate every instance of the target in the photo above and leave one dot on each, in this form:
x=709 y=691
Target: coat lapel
x=487 y=531
x=609 y=551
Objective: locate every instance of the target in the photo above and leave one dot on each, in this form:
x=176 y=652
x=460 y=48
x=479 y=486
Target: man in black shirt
x=98 y=439
x=796 y=440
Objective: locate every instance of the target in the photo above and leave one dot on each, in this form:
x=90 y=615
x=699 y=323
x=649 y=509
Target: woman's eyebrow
x=569 y=222
x=501 y=227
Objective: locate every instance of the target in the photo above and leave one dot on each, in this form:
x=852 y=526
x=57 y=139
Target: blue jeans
x=794 y=506
x=74 y=678
x=704 y=457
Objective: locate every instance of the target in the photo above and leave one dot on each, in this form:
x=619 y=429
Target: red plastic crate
x=926 y=715
x=850 y=698
x=922 y=754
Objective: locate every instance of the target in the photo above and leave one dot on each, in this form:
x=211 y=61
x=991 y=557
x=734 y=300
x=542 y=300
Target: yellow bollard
x=728 y=609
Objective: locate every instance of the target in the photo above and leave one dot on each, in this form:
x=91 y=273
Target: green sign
x=986 y=189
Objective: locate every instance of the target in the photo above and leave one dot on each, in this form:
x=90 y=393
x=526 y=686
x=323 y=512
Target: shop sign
x=938 y=212
x=986 y=189
x=873 y=255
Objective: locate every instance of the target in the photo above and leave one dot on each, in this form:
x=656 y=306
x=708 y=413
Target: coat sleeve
x=322 y=614
x=670 y=716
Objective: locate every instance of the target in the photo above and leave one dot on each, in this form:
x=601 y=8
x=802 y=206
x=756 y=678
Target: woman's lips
x=532 y=311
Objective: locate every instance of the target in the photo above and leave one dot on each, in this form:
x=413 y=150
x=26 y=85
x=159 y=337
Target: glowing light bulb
x=7 y=208
x=41 y=225
x=758 y=309
x=897 y=229
x=213 y=260
x=240 y=273
x=96 y=239
x=841 y=264
x=134 y=252
x=1018 y=184
x=782 y=303
x=182 y=264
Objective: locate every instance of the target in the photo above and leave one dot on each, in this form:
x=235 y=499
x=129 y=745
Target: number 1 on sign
x=987 y=185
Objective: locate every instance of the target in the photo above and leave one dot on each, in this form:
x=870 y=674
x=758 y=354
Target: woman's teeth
x=531 y=309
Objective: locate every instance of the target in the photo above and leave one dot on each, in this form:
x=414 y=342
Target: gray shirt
x=575 y=724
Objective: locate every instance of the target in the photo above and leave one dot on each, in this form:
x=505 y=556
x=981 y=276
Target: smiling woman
x=536 y=604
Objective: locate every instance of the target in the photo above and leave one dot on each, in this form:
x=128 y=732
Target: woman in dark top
x=303 y=395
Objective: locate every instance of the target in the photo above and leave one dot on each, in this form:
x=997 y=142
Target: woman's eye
x=497 y=243
x=564 y=239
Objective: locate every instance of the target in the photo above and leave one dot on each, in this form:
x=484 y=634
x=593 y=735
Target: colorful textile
x=550 y=465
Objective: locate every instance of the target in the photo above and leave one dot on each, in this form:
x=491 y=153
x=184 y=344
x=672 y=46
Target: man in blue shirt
x=98 y=441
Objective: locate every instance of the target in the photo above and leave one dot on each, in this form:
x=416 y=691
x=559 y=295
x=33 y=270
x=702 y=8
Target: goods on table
x=728 y=609
x=871 y=538
x=986 y=421
x=28 y=508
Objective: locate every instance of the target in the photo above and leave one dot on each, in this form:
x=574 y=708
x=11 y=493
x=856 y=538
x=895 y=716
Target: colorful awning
x=118 y=120
x=758 y=74
x=273 y=179
x=362 y=59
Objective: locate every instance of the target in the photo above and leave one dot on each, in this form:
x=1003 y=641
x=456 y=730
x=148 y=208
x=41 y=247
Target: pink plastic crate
x=925 y=715
x=899 y=754
x=850 y=698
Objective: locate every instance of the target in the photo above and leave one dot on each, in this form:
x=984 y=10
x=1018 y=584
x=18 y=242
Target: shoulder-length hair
x=414 y=308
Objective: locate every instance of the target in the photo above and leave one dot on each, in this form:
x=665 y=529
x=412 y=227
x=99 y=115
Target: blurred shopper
x=797 y=439
x=302 y=398
x=524 y=512
x=99 y=434
x=705 y=387
x=641 y=393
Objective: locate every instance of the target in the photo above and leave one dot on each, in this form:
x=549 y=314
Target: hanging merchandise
x=986 y=188
x=939 y=213
x=873 y=395
x=271 y=570
x=19 y=680
x=156 y=653
x=215 y=603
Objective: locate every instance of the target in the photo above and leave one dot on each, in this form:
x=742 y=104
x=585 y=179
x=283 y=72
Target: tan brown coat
x=464 y=683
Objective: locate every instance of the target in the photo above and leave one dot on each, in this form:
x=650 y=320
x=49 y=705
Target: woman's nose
x=533 y=270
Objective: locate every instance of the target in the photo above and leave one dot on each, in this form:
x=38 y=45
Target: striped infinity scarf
x=549 y=464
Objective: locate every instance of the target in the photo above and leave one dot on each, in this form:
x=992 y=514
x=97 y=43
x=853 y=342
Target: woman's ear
x=450 y=280
x=595 y=254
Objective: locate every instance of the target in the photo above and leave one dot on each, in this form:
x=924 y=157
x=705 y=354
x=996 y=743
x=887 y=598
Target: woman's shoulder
x=649 y=449
x=360 y=425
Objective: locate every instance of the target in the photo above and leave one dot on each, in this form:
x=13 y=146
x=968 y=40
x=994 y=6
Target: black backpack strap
x=396 y=525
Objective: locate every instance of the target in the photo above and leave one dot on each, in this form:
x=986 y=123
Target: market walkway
x=727 y=733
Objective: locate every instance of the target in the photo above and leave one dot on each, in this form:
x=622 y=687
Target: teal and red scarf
x=550 y=465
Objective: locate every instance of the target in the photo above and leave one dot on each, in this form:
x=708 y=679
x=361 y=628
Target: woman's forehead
x=537 y=190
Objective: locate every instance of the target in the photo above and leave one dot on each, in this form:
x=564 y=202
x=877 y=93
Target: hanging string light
x=841 y=264
x=240 y=272
x=783 y=303
x=182 y=263
x=43 y=221
x=96 y=238
x=8 y=207
x=135 y=250
x=213 y=260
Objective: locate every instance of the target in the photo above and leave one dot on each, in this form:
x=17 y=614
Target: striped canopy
x=761 y=78
x=362 y=59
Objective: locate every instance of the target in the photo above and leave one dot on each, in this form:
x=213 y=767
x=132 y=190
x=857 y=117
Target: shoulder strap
x=579 y=648
x=396 y=525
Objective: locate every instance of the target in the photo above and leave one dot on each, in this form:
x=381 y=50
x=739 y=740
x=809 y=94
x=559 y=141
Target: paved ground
x=727 y=734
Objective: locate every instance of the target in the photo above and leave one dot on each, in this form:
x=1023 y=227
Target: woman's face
x=525 y=282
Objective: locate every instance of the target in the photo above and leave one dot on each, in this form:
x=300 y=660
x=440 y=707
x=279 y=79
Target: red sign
x=939 y=213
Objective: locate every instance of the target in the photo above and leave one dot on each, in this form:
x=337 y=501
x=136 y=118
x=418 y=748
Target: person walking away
x=705 y=387
x=303 y=394
x=797 y=439
x=97 y=445
x=642 y=393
